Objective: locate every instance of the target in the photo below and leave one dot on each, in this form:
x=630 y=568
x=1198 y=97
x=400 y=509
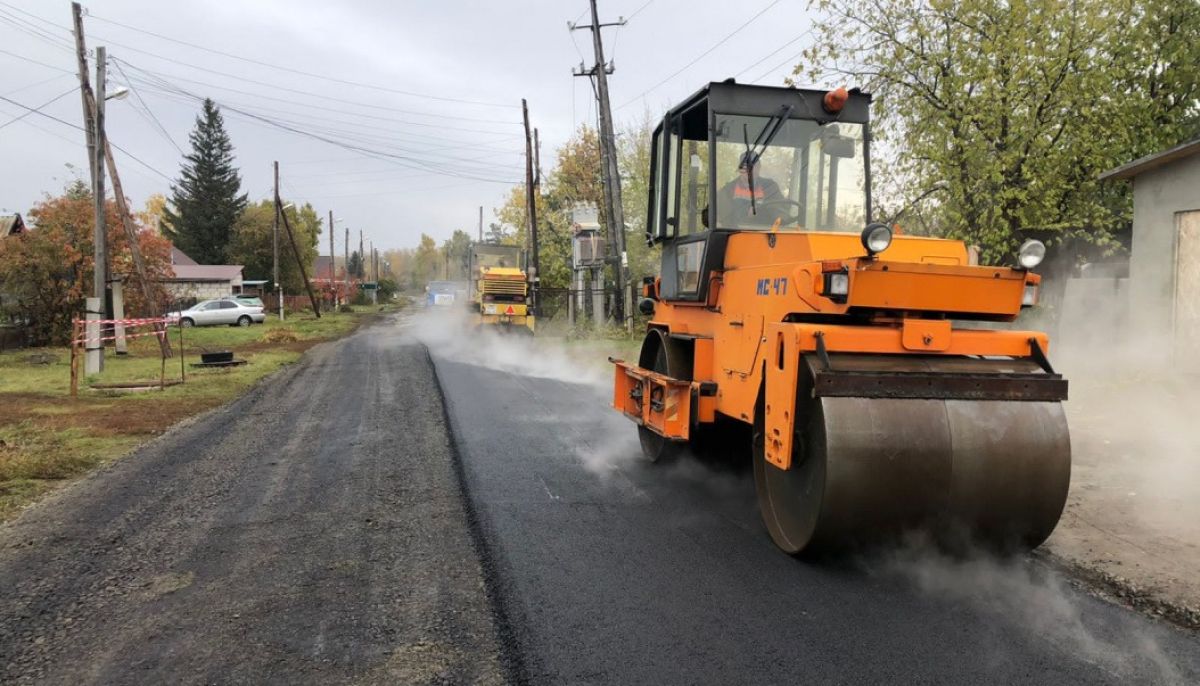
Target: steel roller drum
x=987 y=472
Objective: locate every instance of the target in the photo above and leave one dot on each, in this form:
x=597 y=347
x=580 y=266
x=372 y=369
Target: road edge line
x=512 y=652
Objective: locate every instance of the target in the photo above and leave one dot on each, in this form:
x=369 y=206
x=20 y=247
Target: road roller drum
x=989 y=472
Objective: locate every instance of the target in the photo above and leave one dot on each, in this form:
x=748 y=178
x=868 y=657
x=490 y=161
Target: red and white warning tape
x=130 y=322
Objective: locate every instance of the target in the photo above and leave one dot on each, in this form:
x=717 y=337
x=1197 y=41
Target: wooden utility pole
x=100 y=235
x=531 y=205
x=135 y=249
x=85 y=88
x=312 y=297
x=362 y=258
x=623 y=305
x=481 y=223
x=332 y=260
x=275 y=244
x=537 y=159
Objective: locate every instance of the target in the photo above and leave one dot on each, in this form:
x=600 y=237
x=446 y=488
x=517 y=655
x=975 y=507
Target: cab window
x=687 y=265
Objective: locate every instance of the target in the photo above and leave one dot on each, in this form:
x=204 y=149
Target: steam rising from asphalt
x=1133 y=422
x=1027 y=594
x=451 y=335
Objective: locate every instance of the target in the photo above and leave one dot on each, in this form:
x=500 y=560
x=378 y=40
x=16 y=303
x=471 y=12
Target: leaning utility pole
x=312 y=297
x=94 y=360
x=531 y=203
x=135 y=249
x=608 y=159
x=85 y=89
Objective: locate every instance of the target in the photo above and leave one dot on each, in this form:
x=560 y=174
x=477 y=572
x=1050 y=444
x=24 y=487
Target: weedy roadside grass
x=593 y=345
x=48 y=438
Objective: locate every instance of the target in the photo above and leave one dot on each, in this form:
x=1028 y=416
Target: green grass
x=47 y=438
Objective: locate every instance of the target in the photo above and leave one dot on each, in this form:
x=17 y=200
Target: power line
x=303 y=104
x=35 y=84
x=33 y=61
x=150 y=112
x=402 y=160
x=35 y=31
x=310 y=94
x=168 y=90
x=131 y=156
x=273 y=66
x=702 y=55
x=770 y=71
x=775 y=52
x=38 y=109
x=612 y=50
x=639 y=10
x=354 y=137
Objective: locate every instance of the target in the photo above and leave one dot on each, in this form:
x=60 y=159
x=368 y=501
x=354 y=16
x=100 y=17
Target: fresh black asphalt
x=613 y=571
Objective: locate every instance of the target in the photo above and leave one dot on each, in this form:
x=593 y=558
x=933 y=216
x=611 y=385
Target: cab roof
x=730 y=97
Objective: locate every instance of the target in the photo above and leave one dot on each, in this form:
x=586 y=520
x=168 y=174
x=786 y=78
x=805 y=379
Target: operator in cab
x=740 y=202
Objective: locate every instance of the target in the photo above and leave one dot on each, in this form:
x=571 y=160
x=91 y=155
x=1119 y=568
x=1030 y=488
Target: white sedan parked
x=214 y=312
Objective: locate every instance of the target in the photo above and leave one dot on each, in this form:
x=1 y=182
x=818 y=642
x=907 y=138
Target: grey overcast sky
x=401 y=117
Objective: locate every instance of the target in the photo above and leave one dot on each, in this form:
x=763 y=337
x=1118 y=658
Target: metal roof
x=1158 y=159
x=11 y=224
x=180 y=257
x=207 y=272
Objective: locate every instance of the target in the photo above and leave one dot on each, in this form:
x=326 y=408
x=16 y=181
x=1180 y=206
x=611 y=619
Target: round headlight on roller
x=876 y=238
x=1031 y=254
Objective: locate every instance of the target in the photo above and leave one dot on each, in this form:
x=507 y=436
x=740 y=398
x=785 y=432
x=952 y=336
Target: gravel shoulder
x=1131 y=529
x=311 y=532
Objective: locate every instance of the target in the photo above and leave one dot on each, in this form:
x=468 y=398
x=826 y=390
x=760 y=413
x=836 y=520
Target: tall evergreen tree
x=207 y=200
x=356 y=265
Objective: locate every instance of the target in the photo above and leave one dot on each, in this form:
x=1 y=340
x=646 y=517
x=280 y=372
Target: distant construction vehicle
x=499 y=291
x=783 y=307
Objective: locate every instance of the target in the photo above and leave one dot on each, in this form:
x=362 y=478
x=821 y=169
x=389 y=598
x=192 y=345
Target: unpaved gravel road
x=311 y=532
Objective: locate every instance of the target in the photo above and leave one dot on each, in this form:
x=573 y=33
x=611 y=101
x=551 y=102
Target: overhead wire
x=157 y=87
x=36 y=84
x=30 y=29
x=270 y=65
x=304 y=104
x=702 y=55
x=612 y=54
x=131 y=156
x=137 y=94
x=377 y=142
x=39 y=108
x=401 y=160
x=776 y=51
x=782 y=64
x=33 y=61
x=311 y=94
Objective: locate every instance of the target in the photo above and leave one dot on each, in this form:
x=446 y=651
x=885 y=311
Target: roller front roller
x=990 y=472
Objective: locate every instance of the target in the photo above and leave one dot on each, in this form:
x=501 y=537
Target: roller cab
x=880 y=393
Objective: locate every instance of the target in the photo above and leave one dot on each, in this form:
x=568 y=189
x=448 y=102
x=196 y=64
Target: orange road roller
x=878 y=392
